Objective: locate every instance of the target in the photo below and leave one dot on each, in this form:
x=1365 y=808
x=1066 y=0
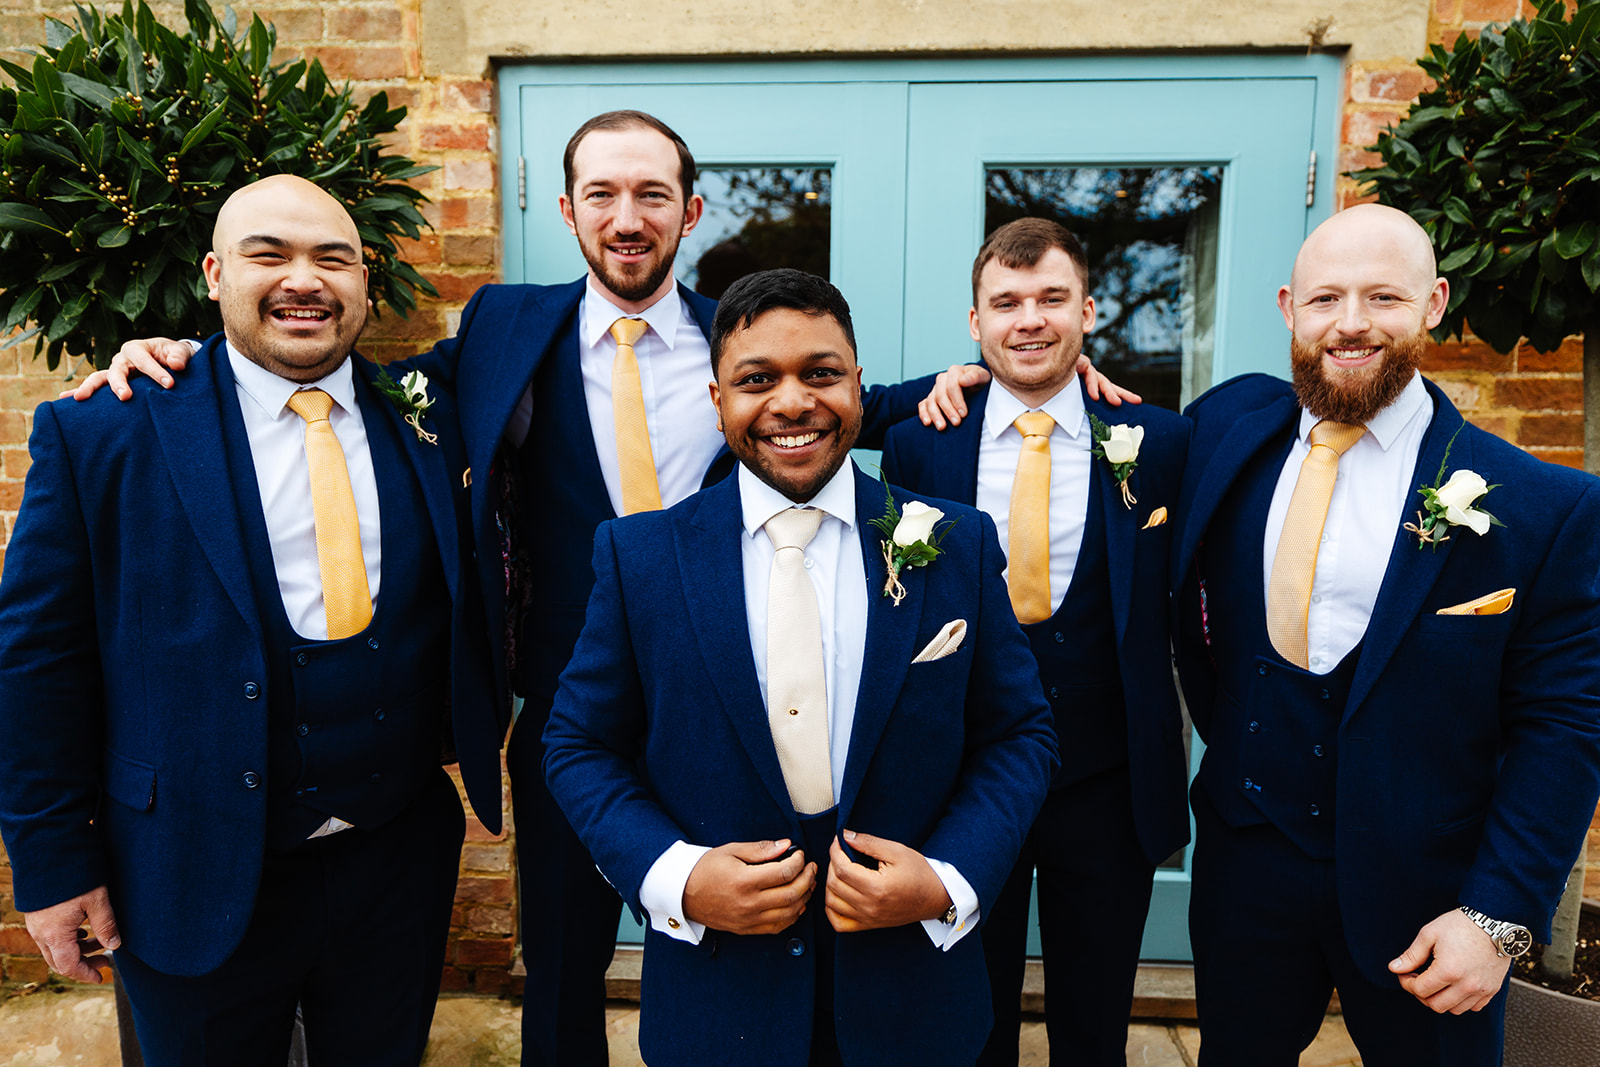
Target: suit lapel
x=188 y=423
x=1412 y=571
x=428 y=462
x=712 y=564
x=891 y=636
x=1238 y=446
x=1121 y=524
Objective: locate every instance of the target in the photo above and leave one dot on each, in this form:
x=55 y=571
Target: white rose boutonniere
x=910 y=539
x=410 y=395
x=1451 y=503
x=1119 y=446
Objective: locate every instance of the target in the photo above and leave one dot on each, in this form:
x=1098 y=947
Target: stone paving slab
x=77 y=1028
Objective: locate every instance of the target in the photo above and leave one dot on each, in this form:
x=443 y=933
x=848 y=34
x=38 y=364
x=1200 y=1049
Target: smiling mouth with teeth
x=309 y=314
x=1353 y=353
x=1032 y=346
x=795 y=441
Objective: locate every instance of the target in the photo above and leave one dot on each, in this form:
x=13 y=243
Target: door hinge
x=1311 y=179
x=522 y=182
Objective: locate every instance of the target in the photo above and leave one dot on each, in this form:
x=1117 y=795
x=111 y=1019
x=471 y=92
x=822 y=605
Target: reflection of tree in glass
x=1134 y=224
x=786 y=217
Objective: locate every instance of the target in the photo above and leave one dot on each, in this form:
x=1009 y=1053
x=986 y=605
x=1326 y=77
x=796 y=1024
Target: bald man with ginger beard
x=224 y=754
x=1402 y=718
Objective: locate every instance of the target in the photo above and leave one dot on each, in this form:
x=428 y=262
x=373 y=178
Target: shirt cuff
x=194 y=346
x=661 y=893
x=963 y=896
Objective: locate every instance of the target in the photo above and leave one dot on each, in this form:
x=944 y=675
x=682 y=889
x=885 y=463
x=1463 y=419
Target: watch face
x=1516 y=941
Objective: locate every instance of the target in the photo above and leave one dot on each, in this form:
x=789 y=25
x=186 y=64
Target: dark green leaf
x=1457 y=259
x=25 y=218
x=115 y=237
x=1574 y=241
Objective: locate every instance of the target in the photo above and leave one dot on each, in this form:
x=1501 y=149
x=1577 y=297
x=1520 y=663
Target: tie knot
x=1035 y=424
x=627 y=331
x=1338 y=436
x=312 y=405
x=793 y=527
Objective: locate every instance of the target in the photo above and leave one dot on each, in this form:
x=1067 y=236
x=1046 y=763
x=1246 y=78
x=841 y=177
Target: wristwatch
x=949 y=917
x=1509 y=938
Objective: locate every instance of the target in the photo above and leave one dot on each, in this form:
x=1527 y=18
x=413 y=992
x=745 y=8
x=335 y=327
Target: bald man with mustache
x=1402 y=717
x=223 y=753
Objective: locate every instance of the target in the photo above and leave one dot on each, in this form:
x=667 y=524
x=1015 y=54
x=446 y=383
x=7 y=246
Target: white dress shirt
x=1374 y=493
x=999 y=448
x=838 y=572
x=674 y=375
x=278 y=447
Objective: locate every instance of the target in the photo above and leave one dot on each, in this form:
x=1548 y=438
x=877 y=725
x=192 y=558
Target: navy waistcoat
x=1076 y=649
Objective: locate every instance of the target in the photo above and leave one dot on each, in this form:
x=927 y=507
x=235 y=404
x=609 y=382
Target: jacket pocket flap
x=128 y=781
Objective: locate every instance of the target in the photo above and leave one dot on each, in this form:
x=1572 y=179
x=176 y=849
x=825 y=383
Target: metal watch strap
x=949 y=917
x=1500 y=931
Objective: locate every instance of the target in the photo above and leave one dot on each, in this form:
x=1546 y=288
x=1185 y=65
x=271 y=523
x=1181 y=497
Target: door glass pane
x=757 y=218
x=1151 y=237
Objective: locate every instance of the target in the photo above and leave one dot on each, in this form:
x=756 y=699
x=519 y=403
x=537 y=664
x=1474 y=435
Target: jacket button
x=1315 y=810
x=1263 y=670
x=251 y=779
x=302 y=729
x=1060 y=637
x=797 y=947
x=1055 y=693
x=1326 y=695
x=301 y=658
x=251 y=690
x=376 y=778
x=372 y=643
x=378 y=714
x=1249 y=784
x=1316 y=750
x=1255 y=727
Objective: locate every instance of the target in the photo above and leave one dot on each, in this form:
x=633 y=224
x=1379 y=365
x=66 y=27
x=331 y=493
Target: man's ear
x=692 y=213
x=1286 y=306
x=566 y=214
x=212 y=269
x=716 y=402
x=1438 y=300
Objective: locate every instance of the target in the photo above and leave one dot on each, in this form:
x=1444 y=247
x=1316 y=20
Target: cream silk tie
x=797 y=688
x=1295 y=564
x=1028 y=551
x=636 y=463
x=345 y=596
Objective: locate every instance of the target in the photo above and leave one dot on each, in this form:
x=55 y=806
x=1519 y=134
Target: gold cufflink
x=672 y=923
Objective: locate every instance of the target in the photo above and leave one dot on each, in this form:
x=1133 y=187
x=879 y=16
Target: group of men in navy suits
x=1381 y=811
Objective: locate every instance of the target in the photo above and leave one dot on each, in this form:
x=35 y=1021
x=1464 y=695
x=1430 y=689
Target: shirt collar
x=1066 y=407
x=271 y=392
x=599 y=313
x=1386 y=426
x=758 y=501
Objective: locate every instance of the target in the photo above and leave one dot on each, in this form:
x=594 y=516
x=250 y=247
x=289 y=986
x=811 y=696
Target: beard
x=1355 y=395
x=635 y=283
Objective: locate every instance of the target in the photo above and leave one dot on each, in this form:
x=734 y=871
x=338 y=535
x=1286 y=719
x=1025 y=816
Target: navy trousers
x=351 y=927
x=1269 y=949
x=1094 y=895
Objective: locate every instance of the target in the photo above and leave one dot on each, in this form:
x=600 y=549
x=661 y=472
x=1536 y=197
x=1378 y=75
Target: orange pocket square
x=1488 y=604
x=466 y=478
x=1157 y=517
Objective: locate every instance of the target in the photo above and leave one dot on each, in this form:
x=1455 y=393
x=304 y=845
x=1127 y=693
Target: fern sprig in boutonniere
x=910 y=539
x=1119 y=446
x=1452 y=503
x=410 y=395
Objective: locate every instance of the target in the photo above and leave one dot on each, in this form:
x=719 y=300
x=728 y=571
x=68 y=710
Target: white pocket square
x=945 y=642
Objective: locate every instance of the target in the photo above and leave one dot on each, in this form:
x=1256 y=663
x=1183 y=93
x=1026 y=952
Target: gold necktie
x=345 y=597
x=1028 y=550
x=636 y=463
x=797 y=687
x=1295 y=564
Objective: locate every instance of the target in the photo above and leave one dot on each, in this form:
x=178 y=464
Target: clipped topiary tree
x=1500 y=163
x=120 y=143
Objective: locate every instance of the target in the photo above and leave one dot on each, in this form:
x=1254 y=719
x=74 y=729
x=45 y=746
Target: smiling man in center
x=812 y=789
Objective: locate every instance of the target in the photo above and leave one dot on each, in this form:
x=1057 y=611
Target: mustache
x=329 y=304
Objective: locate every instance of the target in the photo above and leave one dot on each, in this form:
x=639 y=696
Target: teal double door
x=1196 y=178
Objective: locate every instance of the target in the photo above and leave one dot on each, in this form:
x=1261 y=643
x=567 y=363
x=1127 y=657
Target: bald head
x=286 y=267
x=1366 y=232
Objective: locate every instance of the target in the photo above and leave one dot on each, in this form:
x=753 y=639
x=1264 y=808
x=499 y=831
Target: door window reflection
x=1151 y=237
x=757 y=218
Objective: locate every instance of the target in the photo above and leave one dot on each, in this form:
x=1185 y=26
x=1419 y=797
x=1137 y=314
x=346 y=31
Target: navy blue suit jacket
x=132 y=663
x=1469 y=746
x=506 y=333
x=659 y=733
x=946 y=465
